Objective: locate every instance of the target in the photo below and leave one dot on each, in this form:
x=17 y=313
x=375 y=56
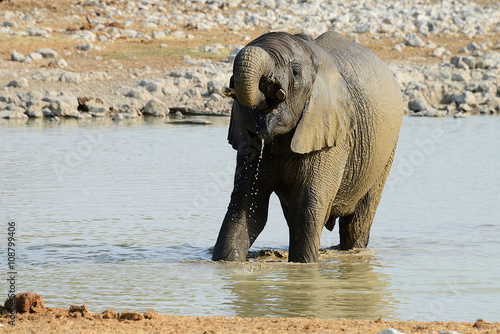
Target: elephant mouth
x=263 y=121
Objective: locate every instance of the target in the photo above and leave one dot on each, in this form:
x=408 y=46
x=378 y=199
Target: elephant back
x=370 y=82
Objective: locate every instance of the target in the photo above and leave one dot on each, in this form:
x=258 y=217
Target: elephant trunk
x=250 y=65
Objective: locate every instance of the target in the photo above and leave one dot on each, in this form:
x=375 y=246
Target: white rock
x=85 y=35
x=97 y=107
x=129 y=33
x=430 y=45
x=463 y=76
x=386 y=28
x=179 y=33
x=156 y=108
x=10 y=98
x=413 y=40
x=71 y=77
x=467 y=97
x=16 y=115
x=440 y=51
x=61 y=63
x=34 y=113
x=469 y=61
x=36 y=31
x=149 y=25
x=390 y=331
x=16 y=56
x=9 y=24
x=361 y=29
x=84 y=116
x=35 y=56
x=139 y=93
x=398 y=47
x=47 y=53
x=158 y=34
x=472 y=46
x=64 y=106
x=86 y=47
x=118 y=117
x=19 y=83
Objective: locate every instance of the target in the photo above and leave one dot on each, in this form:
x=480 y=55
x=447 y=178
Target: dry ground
x=137 y=53
x=60 y=321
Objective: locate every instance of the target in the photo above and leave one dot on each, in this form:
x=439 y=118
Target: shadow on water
x=343 y=286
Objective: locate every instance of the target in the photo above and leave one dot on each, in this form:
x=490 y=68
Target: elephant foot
x=231 y=254
x=303 y=257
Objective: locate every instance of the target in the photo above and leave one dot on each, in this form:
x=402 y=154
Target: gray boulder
x=139 y=93
x=16 y=56
x=467 y=97
x=417 y=105
x=70 y=77
x=413 y=40
x=156 y=108
x=10 y=98
x=37 y=31
x=19 y=83
x=47 y=53
x=35 y=56
x=390 y=331
x=63 y=106
x=16 y=114
x=97 y=108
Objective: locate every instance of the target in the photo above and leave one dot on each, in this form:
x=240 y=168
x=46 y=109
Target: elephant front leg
x=247 y=212
x=304 y=241
x=306 y=217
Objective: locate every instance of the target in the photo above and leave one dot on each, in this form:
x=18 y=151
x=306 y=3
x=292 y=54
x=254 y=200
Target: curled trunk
x=250 y=65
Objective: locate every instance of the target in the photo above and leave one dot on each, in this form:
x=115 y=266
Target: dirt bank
x=31 y=316
x=56 y=320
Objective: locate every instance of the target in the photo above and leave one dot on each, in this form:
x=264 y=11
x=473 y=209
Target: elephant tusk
x=229 y=92
x=280 y=94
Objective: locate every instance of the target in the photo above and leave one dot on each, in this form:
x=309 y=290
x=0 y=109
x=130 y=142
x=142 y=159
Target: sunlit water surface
x=122 y=215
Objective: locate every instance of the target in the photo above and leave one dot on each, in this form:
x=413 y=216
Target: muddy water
x=122 y=215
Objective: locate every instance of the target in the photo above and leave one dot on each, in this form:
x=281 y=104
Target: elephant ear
x=327 y=116
x=239 y=126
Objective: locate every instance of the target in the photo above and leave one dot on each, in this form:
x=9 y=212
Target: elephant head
x=283 y=83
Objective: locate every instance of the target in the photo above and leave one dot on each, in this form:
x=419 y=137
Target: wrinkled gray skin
x=316 y=121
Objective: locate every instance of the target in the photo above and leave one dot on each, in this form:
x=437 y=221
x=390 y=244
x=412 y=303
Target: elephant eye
x=296 y=70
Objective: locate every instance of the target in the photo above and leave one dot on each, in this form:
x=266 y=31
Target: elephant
x=315 y=121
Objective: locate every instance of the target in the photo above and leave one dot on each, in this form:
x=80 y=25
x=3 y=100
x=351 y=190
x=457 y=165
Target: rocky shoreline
x=458 y=80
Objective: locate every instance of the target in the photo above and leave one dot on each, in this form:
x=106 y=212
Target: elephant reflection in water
x=351 y=288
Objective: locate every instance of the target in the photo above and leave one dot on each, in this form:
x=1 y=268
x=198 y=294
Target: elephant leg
x=354 y=229
x=247 y=212
x=307 y=207
x=305 y=235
